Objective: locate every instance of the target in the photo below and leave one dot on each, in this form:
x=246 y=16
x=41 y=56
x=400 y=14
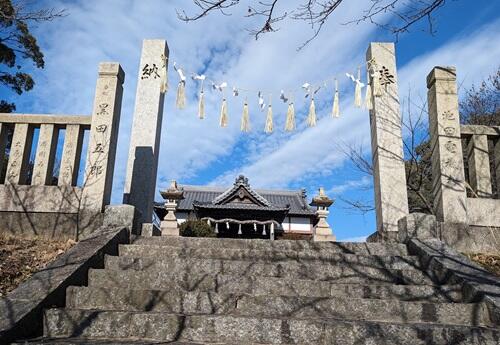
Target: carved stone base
x=324 y=238
x=168 y=225
x=322 y=231
x=169 y=229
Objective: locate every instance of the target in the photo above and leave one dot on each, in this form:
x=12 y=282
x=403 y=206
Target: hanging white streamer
x=262 y=104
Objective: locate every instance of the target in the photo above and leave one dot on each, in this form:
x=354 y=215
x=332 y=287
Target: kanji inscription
x=150 y=71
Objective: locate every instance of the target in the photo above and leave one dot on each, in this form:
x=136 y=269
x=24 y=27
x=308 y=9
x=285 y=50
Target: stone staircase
x=229 y=291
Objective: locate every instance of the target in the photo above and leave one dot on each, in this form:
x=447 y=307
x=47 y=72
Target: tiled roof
x=238 y=206
x=241 y=182
x=278 y=198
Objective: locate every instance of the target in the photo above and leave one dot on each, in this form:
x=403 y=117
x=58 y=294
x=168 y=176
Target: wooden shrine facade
x=243 y=211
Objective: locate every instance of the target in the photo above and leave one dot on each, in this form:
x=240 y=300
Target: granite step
x=281 y=245
x=310 y=269
x=87 y=341
x=159 y=251
x=193 y=274
x=192 y=303
x=283 y=257
x=237 y=329
x=271 y=286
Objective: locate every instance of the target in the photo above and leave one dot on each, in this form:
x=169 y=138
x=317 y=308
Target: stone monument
x=322 y=230
x=391 y=199
x=143 y=157
x=172 y=195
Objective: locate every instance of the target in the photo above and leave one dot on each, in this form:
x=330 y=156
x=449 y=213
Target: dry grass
x=490 y=262
x=21 y=257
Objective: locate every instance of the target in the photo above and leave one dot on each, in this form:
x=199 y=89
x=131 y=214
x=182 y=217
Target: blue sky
x=199 y=152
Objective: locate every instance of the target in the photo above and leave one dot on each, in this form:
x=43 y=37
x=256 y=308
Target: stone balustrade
x=21 y=128
x=32 y=200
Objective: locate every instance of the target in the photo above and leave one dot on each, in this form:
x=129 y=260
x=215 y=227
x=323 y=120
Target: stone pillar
x=479 y=166
x=103 y=137
x=17 y=168
x=70 y=160
x=143 y=157
x=448 y=179
x=45 y=154
x=391 y=198
x=3 y=144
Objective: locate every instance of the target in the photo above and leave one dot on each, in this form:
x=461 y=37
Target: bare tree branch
x=316 y=13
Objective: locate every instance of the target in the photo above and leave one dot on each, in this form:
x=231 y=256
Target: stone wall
x=40 y=206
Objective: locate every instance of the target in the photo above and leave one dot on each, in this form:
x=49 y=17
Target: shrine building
x=243 y=211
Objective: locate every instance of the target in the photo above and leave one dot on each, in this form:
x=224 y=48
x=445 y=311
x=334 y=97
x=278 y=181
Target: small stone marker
x=142 y=164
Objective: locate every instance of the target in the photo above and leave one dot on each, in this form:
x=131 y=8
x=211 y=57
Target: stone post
x=45 y=155
x=496 y=155
x=103 y=137
x=70 y=160
x=172 y=195
x=143 y=157
x=17 y=168
x=322 y=230
x=3 y=144
x=448 y=179
x=391 y=199
x=479 y=166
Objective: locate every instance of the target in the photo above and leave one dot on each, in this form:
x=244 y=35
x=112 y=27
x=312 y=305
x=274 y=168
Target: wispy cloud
x=192 y=149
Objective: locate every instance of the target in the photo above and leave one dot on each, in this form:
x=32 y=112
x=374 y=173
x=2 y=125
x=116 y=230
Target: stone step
x=192 y=303
x=86 y=341
x=237 y=329
x=307 y=269
x=270 y=286
x=258 y=244
x=189 y=274
x=284 y=257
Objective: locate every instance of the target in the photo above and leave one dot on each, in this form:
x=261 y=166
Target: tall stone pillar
x=448 y=178
x=391 y=199
x=143 y=157
x=103 y=137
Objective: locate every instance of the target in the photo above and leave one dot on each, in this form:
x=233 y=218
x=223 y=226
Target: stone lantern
x=172 y=196
x=322 y=231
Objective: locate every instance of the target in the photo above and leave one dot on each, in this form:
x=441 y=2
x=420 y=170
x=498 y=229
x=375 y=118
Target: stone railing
x=467 y=219
x=32 y=201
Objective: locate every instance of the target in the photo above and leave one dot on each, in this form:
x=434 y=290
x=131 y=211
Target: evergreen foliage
x=196 y=228
x=17 y=43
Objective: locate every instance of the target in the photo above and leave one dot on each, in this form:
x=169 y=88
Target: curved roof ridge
x=241 y=181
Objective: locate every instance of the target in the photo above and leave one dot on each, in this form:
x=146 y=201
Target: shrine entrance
x=381 y=99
